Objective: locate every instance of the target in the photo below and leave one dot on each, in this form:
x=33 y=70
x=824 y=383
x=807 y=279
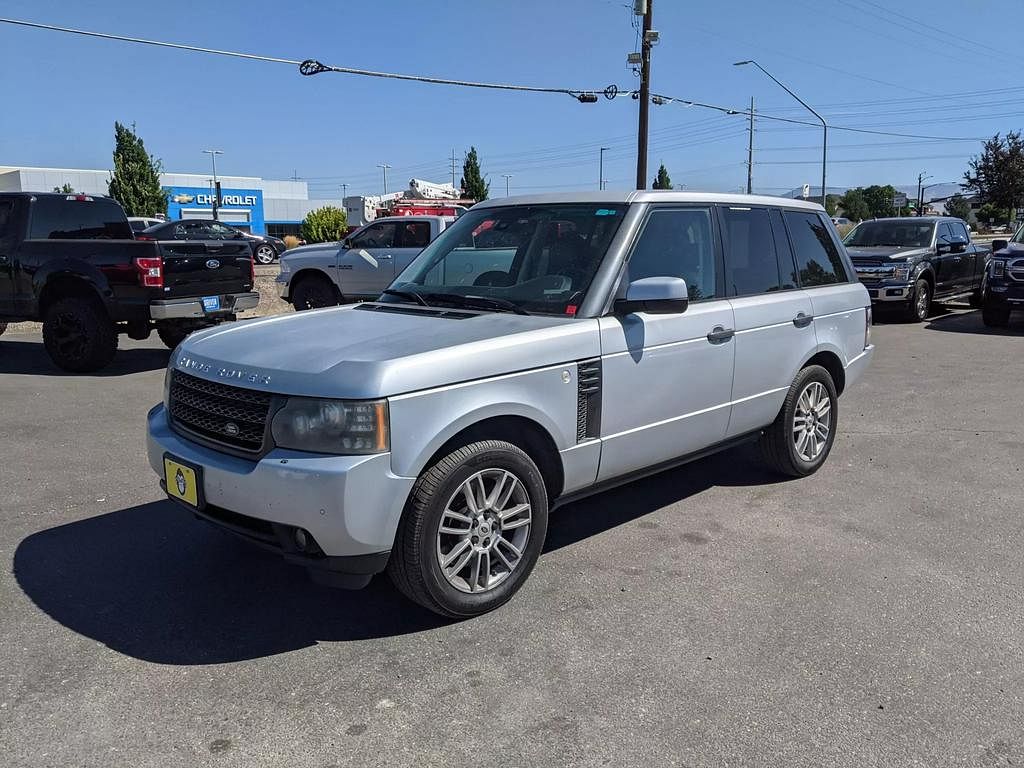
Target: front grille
x=232 y=416
x=588 y=399
x=1015 y=269
x=870 y=272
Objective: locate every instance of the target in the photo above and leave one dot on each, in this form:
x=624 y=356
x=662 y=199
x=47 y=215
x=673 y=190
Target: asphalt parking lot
x=867 y=616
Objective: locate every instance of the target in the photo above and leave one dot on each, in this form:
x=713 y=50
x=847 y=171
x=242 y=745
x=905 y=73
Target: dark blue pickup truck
x=1003 y=289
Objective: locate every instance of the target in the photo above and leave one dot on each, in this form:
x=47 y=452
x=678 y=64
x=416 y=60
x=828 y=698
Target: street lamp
x=824 y=125
x=384 y=167
x=600 y=169
x=506 y=176
x=216 y=189
x=920 y=191
x=925 y=188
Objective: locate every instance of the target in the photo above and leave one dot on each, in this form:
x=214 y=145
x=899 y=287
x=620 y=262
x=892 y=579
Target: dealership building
x=257 y=205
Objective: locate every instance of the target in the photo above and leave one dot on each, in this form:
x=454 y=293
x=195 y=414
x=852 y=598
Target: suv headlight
x=901 y=273
x=340 y=427
x=998 y=267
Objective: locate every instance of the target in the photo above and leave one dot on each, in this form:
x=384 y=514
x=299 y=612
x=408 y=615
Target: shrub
x=324 y=225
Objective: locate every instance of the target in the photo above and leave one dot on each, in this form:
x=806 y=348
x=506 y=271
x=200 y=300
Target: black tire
x=314 y=292
x=415 y=566
x=3 y=327
x=976 y=299
x=778 y=445
x=918 y=309
x=995 y=316
x=78 y=334
x=264 y=254
x=172 y=335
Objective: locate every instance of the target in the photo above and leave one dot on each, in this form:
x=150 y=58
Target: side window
x=376 y=236
x=750 y=263
x=961 y=231
x=677 y=243
x=787 y=268
x=220 y=231
x=817 y=257
x=415 y=234
x=945 y=233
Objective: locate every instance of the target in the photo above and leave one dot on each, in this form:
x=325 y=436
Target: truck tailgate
x=206 y=267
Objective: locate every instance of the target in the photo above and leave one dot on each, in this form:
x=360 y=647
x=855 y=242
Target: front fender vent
x=588 y=399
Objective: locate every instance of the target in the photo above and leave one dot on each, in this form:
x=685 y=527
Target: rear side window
x=415 y=234
x=677 y=243
x=817 y=257
x=787 y=269
x=56 y=218
x=751 y=266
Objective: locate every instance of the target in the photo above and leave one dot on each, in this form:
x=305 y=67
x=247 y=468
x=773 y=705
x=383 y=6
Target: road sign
x=899 y=200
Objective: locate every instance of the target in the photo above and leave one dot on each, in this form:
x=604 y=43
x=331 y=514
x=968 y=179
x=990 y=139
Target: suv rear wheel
x=473 y=530
x=800 y=439
x=78 y=334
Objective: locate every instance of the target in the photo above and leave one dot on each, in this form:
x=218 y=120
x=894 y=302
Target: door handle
x=802 y=320
x=956 y=259
x=720 y=335
x=384 y=256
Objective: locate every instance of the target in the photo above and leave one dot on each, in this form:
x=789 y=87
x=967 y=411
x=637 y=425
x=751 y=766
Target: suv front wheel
x=472 y=531
x=799 y=440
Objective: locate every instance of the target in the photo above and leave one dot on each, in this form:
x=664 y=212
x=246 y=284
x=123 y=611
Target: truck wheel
x=920 y=305
x=995 y=316
x=264 y=254
x=314 y=292
x=976 y=299
x=3 y=327
x=78 y=334
x=472 y=531
x=171 y=335
x=799 y=440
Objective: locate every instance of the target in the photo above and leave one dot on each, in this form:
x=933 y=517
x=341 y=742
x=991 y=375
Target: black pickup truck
x=71 y=262
x=911 y=261
x=1003 y=291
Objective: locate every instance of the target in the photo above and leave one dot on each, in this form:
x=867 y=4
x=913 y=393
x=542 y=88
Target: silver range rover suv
x=541 y=349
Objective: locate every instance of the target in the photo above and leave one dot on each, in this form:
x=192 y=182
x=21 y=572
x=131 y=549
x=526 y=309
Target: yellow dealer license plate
x=184 y=481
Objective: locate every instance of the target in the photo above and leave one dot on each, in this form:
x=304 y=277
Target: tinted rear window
x=55 y=218
x=817 y=257
x=750 y=263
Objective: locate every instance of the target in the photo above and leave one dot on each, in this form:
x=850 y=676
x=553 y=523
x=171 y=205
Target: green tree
x=67 y=189
x=997 y=174
x=993 y=214
x=325 y=225
x=135 y=183
x=662 y=181
x=959 y=207
x=832 y=204
x=879 y=200
x=474 y=185
x=854 y=206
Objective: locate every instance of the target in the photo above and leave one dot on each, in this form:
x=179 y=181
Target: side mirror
x=658 y=295
x=998 y=245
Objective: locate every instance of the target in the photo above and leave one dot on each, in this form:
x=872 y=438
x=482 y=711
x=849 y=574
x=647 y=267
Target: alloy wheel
x=812 y=421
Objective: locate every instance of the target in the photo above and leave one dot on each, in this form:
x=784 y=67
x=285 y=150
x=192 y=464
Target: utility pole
x=600 y=169
x=506 y=176
x=216 y=185
x=384 y=167
x=295 y=174
x=455 y=165
x=920 y=191
x=750 y=151
x=344 y=191
x=645 y=97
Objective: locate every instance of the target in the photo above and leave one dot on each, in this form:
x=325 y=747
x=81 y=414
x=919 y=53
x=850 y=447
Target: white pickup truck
x=359 y=267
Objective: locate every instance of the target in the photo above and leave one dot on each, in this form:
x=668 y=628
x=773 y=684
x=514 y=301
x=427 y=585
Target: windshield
x=904 y=233
x=1019 y=236
x=538 y=258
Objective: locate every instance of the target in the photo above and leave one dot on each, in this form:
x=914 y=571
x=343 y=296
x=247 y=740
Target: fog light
x=301 y=539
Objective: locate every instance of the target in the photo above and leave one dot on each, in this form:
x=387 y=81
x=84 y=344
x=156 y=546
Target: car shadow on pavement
x=970 y=322
x=154 y=583
x=30 y=358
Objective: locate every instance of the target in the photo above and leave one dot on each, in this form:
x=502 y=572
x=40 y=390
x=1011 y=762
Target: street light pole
x=600 y=168
x=809 y=108
x=216 y=187
x=384 y=167
x=645 y=98
x=920 y=191
x=506 y=176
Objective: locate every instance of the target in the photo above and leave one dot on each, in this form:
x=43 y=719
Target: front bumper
x=1005 y=293
x=174 y=309
x=349 y=505
x=282 y=288
x=889 y=292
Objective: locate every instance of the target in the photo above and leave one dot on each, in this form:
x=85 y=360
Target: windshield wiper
x=479 y=302
x=409 y=295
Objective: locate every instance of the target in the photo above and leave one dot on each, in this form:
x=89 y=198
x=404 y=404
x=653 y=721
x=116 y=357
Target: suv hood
x=883 y=252
x=359 y=353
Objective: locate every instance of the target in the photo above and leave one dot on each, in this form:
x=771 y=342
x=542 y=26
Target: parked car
x=541 y=349
x=910 y=262
x=70 y=261
x=265 y=248
x=1003 y=289
x=139 y=223
x=360 y=266
x=841 y=221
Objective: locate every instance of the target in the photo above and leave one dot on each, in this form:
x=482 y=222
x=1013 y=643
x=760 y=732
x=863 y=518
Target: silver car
x=541 y=349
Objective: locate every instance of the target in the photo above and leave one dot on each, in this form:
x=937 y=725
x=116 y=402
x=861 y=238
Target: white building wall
x=293 y=210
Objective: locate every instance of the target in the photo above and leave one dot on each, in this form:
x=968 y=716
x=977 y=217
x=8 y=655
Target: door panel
x=7 y=241
x=946 y=264
x=368 y=266
x=665 y=387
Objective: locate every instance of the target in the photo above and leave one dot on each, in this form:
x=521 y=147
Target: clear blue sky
x=860 y=65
